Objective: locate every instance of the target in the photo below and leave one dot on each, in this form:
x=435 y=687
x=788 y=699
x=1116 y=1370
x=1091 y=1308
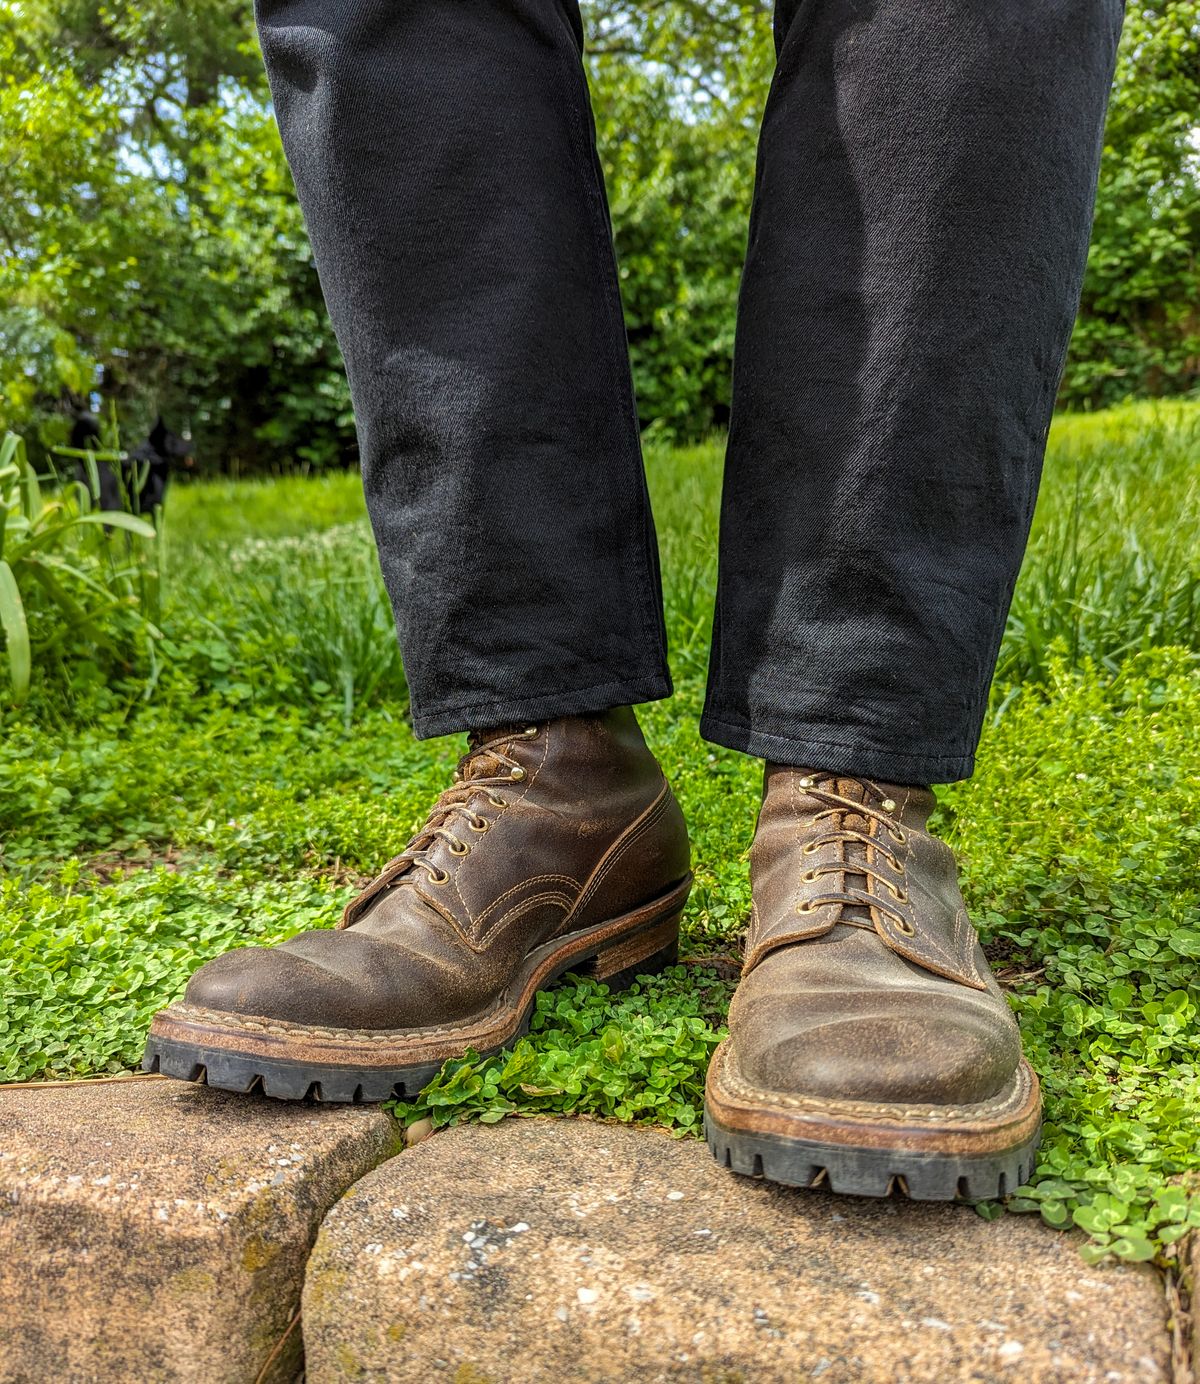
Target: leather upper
x=864 y=978
x=549 y=829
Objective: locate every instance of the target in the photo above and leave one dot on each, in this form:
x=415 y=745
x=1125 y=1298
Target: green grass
x=241 y=792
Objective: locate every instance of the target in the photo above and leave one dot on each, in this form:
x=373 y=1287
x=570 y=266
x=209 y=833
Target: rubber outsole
x=874 y=1172
x=223 y=1067
x=283 y=1080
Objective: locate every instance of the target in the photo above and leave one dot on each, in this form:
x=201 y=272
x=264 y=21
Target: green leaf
x=118 y=519
x=1054 y=1213
x=16 y=633
x=1135 y=1248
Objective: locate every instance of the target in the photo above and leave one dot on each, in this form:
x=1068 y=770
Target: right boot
x=559 y=847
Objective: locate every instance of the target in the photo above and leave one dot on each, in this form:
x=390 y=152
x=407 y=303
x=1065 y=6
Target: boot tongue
x=853 y=852
x=480 y=763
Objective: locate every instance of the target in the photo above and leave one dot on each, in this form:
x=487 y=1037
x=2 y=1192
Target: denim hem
x=808 y=750
x=570 y=701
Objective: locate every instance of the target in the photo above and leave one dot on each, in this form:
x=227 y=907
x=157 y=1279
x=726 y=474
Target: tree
x=1139 y=324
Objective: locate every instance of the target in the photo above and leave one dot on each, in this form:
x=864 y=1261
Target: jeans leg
x=922 y=207
x=444 y=156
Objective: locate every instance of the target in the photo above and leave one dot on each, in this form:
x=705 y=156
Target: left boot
x=870 y=1046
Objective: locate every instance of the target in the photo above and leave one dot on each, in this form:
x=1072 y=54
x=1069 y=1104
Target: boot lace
x=485 y=768
x=853 y=847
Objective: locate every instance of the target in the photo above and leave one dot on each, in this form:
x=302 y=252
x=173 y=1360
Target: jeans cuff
x=544 y=706
x=808 y=748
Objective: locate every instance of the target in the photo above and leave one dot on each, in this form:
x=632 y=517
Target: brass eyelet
x=806 y=782
x=900 y=895
x=442 y=877
x=904 y=926
x=809 y=876
x=496 y=802
x=517 y=774
x=805 y=907
x=480 y=824
x=898 y=836
x=888 y=804
x=809 y=848
x=459 y=848
x=530 y=732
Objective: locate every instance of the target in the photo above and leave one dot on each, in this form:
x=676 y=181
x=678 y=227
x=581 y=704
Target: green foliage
x=74 y=601
x=141 y=834
x=637 y=1056
x=312 y=622
x=1079 y=840
x=83 y=970
x=679 y=190
x=150 y=228
x=1139 y=326
x=1113 y=566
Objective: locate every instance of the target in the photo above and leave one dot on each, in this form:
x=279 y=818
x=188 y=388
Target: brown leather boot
x=560 y=847
x=870 y=1045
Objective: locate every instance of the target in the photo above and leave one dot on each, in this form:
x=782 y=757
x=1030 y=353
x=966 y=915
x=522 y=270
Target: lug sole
x=297 y=1062
x=858 y=1149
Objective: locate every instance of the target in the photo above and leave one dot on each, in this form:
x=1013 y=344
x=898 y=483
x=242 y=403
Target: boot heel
x=645 y=953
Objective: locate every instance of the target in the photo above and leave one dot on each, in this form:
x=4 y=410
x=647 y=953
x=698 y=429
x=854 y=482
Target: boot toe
x=327 y=979
x=947 y=1058
x=270 y=983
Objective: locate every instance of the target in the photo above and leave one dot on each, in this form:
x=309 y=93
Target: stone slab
x=567 y=1250
x=152 y=1230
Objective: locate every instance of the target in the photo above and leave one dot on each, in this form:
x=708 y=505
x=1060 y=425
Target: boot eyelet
x=480 y=824
x=898 y=836
x=530 y=732
x=900 y=895
x=496 y=802
x=809 y=848
x=517 y=774
x=888 y=804
x=809 y=876
x=905 y=927
x=459 y=848
x=805 y=907
x=440 y=878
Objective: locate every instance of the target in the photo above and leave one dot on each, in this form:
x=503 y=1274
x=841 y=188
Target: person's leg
x=922 y=208
x=443 y=153
x=444 y=158
x=920 y=225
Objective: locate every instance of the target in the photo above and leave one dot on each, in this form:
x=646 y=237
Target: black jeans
x=921 y=214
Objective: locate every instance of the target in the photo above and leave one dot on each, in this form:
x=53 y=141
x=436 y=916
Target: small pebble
x=417 y=1131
